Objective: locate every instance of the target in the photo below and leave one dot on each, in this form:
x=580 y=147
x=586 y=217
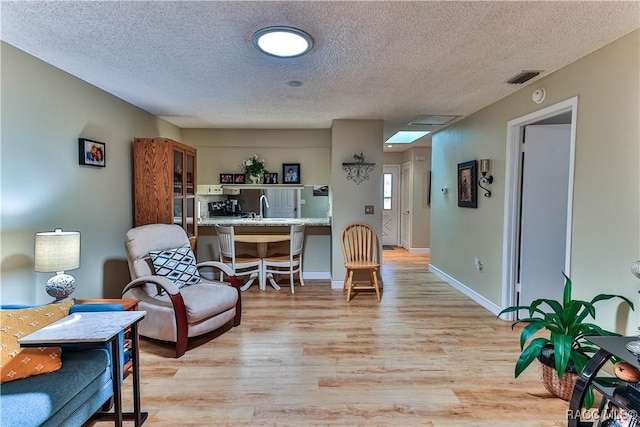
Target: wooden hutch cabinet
x=164 y=184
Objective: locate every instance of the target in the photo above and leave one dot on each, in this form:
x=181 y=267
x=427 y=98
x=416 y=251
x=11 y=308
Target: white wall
x=44 y=112
x=606 y=208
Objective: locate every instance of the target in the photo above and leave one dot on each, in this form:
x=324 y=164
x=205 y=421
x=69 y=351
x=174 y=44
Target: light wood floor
x=425 y=356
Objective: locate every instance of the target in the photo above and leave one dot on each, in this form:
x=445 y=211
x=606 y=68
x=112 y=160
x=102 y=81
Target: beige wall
x=44 y=112
x=349 y=199
x=223 y=150
x=606 y=206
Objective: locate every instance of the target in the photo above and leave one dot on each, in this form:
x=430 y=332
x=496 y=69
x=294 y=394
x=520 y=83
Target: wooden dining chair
x=243 y=265
x=360 y=251
x=290 y=264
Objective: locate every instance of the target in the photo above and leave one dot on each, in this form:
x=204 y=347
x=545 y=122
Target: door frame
x=395 y=171
x=406 y=195
x=515 y=132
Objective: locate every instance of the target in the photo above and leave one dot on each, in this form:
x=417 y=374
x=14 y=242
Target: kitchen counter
x=263 y=222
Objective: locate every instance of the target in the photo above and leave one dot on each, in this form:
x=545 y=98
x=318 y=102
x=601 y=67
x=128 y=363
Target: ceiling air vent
x=523 y=77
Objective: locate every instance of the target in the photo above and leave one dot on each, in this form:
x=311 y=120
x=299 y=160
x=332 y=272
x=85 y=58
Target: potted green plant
x=254 y=167
x=567 y=349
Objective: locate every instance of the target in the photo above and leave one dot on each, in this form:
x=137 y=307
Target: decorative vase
x=254 y=179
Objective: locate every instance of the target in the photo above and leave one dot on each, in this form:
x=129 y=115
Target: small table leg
x=115 y=374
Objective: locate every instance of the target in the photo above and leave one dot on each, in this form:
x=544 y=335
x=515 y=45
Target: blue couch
x=68 y=396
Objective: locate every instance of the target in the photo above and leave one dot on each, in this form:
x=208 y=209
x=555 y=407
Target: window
x=387 y=195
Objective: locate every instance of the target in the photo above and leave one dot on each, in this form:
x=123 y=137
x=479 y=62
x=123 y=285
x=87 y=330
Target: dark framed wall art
x=291 y=173
x=91 y=153
x=467 y=185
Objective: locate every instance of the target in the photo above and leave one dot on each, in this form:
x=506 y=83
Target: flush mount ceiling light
x=406 y=136
x=282 y=42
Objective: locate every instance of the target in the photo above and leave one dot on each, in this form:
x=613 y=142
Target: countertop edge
x=210 y=222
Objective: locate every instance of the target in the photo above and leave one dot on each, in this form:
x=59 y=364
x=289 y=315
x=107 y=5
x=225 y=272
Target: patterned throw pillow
x=177 y=265
x=17 y=362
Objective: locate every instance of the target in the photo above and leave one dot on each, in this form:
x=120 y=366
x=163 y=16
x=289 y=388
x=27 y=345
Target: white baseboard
x=489 y=305
x=316 y=275
x=337 y=284
x=419 y=250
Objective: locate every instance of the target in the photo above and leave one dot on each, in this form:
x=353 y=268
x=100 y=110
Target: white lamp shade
x=57 y=251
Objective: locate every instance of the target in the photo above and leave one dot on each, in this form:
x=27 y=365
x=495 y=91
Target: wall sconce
x=485 y=168
x=55 y=252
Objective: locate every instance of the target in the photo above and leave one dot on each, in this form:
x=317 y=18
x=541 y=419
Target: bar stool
x=243 y=265
x=290 y=263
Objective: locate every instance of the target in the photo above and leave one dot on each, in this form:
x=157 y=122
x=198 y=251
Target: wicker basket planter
x=562 y=388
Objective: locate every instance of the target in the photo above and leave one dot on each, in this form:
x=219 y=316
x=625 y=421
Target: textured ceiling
x=193 y=63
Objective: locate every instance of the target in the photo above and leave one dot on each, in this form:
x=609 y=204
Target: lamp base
x=61 y=286
x=635 y=269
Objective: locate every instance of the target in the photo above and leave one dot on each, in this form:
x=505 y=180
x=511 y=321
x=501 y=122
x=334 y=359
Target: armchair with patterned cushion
x=180 y=296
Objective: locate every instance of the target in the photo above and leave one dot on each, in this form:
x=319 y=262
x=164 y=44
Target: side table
x=607 y=386
x=99 y=328
x=128 y=305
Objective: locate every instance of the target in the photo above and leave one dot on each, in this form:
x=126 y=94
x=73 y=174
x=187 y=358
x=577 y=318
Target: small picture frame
x=238 y=178
x=291 y=173
x=467 y=185
x=270 y=178
x=91 y=153
x=320 y=190
x=226 y=178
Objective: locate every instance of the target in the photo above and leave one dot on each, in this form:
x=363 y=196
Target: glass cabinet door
x=178 y=167
x=190 y=216
x=191 y=173
x=177 y=211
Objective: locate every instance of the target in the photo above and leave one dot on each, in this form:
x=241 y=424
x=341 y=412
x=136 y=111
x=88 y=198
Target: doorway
x=406 y=189
x=538 y=203
x=390 y=205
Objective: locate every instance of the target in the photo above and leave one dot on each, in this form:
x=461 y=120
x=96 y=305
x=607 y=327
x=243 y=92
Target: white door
x=544 y=205
x=390 y=204
x=283 y=203
x=405 y=201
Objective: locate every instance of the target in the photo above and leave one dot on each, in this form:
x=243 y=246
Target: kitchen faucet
x=266 y=202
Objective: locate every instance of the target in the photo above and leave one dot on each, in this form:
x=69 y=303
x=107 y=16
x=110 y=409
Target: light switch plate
x=368 y=210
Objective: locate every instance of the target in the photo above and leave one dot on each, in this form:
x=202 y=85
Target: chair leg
x=344 y=282
x=374 y=276
x=349 y=284
x=293 y=291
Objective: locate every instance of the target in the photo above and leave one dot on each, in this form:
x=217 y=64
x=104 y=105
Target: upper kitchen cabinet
x=164 y=184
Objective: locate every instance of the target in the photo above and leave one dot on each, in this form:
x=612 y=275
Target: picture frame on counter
x=270 y=178
x=238 y=178
x=226 y=178
x=291 y=173
x=91 y=153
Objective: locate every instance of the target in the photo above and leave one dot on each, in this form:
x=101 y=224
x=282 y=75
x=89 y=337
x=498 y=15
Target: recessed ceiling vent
x=523 y=77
